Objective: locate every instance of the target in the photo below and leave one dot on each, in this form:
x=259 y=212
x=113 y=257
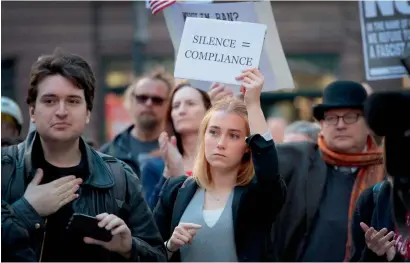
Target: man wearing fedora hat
x=325 y=179
x=381 y=223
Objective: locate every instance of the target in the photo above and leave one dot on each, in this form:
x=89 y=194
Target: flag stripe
x=159 y=5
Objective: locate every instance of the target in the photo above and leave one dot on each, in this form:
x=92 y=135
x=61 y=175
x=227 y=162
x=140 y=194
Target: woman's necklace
x=216 y=198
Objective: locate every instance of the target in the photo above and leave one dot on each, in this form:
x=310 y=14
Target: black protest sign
x=385 y=29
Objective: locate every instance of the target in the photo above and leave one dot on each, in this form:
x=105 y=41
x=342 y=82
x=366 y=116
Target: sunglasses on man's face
x=143 y=99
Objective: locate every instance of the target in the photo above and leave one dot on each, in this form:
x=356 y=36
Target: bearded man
x=146 y=101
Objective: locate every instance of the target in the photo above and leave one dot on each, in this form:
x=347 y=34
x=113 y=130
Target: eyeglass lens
x=154 y=99
x=348 y=118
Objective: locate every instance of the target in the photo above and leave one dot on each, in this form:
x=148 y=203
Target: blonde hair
x=201 y=171
x=158 y=73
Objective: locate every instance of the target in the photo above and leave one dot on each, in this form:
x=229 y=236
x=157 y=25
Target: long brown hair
x=201 y=171
x=207 y=104
x=170 y=129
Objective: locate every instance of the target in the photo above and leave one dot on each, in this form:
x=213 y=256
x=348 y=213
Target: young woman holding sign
x=225 y=211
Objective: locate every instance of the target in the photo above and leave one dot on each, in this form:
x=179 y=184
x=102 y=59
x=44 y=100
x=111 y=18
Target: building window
x=8 y=78
x=118 y=72
x=311 y=74
x=167 y=63
x=313 y=71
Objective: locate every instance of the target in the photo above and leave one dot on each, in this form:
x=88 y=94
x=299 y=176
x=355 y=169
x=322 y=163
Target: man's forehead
x=61 y=93
x=150 y=85
x=59 y=86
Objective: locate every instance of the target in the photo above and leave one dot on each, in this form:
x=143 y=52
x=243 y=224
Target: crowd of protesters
x=203 y=175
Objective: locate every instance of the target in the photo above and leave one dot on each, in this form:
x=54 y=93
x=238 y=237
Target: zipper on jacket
x=44 y=240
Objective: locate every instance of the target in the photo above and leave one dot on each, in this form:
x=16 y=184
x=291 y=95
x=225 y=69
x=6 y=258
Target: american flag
x=159 y=5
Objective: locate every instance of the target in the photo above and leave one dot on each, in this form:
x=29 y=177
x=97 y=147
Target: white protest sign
x=218 y=50
x=273 y=63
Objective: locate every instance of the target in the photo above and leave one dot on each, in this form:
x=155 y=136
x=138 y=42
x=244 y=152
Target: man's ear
x=31 y=112
x=88 y=117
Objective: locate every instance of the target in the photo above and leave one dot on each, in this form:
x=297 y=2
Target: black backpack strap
x=8 y=167
x=120 y=190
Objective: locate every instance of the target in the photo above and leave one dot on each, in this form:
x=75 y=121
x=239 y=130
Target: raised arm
x=269 y=185
x=252 y=84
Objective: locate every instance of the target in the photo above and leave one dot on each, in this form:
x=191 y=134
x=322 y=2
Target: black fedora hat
x=386 y=113
x=340 y=94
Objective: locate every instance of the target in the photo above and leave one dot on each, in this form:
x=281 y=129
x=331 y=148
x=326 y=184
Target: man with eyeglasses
x=326 y=178
x=146 y=101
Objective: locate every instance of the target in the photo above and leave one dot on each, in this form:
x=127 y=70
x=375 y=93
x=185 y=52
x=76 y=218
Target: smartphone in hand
x=87 y=226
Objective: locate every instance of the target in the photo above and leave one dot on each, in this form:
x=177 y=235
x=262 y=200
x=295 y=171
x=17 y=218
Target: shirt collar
x=352 y=169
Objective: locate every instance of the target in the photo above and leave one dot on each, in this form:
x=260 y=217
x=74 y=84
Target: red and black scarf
x=371 y=171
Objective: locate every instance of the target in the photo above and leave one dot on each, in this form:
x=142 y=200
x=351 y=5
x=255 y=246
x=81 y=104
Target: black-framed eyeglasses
x=156 y=100
x=348 y=118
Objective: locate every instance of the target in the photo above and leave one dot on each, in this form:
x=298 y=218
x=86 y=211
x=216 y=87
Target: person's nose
x=62 y=110
x=148 y=102
x=221 y=142
x=340 y=123
x=182 y=110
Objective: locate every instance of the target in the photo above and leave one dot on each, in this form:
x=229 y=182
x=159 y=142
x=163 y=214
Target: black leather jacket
x=22 y=229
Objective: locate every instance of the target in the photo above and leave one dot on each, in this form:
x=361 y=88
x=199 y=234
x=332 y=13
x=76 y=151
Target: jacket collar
x=122 y=140
x=99 y=175
x=120 y=147
x=184 y=196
